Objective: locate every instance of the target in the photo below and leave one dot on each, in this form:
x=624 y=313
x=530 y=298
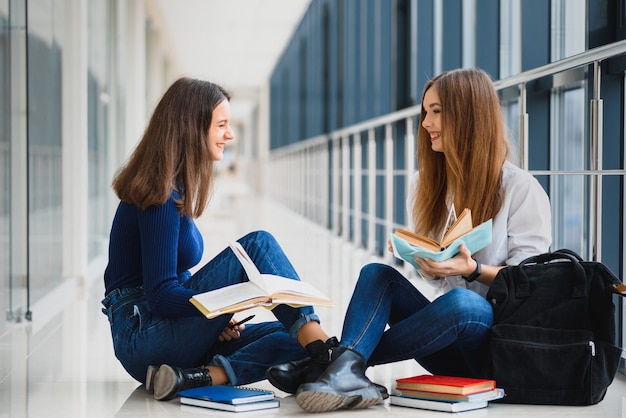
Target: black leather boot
x=168 y=381
x=342 y=385
x=289 y=376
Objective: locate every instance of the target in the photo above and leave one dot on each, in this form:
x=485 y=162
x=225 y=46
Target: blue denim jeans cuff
x=221 y=361
x=295 y=328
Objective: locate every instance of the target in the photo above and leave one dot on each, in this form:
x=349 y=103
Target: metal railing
x=321 y=178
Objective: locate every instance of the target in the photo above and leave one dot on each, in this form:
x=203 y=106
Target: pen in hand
x=243 y=321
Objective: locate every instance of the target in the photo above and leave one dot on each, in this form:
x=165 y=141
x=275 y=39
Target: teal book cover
x=475 y=240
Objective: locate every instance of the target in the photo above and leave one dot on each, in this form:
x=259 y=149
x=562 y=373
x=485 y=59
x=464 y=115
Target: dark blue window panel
x=605 y=22
x=316 y=62
x=613 y=135
x=488 y=36
x=336 y=70
x=399 y=157
x=380 y=213
x=425 y=39
x=379 y=133
x=452 y=53
x=612 y=221
x=538 y=108
x=326 y=80
x=401 y=83
x=382 y=64
x=612 y=158
x=351 y=60
x=399 y=215
x=368 y=67
x=303 y=102
x=535 y=33
x=535 y=53
x=399 y=163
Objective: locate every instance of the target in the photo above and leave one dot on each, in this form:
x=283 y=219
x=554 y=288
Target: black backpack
x=553 y=339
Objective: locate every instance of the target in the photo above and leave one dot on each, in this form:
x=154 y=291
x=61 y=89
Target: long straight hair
x=469 y=170
x=174 y=150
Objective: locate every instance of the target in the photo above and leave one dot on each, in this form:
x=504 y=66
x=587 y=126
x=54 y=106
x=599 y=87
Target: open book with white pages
x=267 y=290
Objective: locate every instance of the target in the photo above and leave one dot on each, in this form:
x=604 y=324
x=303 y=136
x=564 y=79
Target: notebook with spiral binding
x=234 y=395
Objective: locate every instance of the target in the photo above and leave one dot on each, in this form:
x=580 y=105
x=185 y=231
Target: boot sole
x=165 y=383
x=278 y=385
x=312 y=401
x=150 y=374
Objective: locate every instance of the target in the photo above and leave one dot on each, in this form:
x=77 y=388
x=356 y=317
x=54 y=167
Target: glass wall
x=32 y=36
x=5 y=160
x=13 y=185
x=99 y=101
x=563 y=96
x=45 y=47
x=510 y=38
x=568 y=139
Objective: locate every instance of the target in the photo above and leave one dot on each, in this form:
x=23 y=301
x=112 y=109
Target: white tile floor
x=64 y=366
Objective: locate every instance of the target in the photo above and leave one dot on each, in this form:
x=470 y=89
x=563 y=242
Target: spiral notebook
x=233 y=395
x=229 y=398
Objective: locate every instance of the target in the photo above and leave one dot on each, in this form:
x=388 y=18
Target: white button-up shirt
x=522 y=228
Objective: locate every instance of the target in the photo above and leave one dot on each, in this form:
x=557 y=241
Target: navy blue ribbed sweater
x=154 y=248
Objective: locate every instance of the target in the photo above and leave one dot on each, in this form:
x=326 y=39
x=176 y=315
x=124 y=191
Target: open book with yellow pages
x=408 y=245
x=265 y=290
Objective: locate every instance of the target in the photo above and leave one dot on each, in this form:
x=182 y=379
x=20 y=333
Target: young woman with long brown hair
x=160 y=338
x=462 y=161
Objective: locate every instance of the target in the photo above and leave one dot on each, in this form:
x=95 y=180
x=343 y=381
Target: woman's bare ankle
x=309 y=332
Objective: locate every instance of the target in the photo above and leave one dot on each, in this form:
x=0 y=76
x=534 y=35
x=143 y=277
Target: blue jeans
x=141 y=339
x=446 y=336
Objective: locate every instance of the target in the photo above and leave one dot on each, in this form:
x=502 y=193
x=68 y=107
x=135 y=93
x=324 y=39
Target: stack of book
x=445 y=393
x=229 y=398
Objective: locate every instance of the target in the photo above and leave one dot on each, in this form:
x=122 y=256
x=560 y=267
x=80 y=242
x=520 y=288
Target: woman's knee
x=260 y=236
x=376 y=275
x=468 y=305
x=376 y=271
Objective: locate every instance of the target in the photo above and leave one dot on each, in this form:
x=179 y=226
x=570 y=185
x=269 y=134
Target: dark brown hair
x=475 y=148
x=174 y=151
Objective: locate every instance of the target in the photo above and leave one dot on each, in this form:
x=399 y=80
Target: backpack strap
x=579 y=276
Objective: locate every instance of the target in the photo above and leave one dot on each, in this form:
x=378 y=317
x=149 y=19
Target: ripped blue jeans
x=141 y=339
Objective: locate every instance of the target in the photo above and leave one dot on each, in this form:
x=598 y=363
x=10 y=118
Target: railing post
x=410 y=157
x=358 y=194
x=331 y=189
x=345 y=187
x=371 y=190
x=523 y=128
x=389 y=192
x=325 y=175
x=595 y=145
x=336 y=204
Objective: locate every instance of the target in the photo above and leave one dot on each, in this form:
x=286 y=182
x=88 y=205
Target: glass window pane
x=45 y=40
x=98 y=125
x=5 y=157
x=569 y=192
x=510 y=38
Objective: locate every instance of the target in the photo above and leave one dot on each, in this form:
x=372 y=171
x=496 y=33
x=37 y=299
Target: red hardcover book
x=445 y=384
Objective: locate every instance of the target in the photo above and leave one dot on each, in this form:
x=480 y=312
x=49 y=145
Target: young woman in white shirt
x=462 y=160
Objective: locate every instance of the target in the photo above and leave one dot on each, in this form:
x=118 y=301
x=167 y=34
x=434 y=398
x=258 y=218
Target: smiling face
x=432 y=118
x=220 y=130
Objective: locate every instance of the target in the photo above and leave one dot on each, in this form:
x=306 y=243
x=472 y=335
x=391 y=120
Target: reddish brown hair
x=474 y=150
